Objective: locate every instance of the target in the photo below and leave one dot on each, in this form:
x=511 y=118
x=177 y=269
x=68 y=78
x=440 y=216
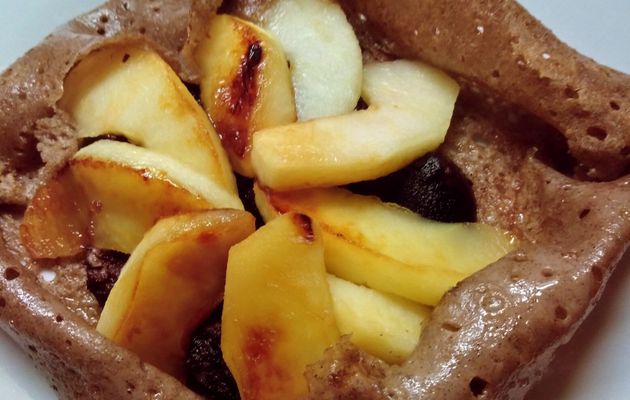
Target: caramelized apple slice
x=147 y=187
x=131 y=91
x=245 y=85
x=382 y=324
x=387 y=247
x=410 y=110
x=56 y=222
x=326 y=61
x=172 y=281
x=109 y=196
x=277 y=312
x=153 y=164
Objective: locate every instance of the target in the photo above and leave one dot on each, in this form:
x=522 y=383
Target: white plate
x=593 y=366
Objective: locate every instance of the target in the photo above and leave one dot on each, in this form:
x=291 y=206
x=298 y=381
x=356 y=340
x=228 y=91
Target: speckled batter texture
x=535 y=123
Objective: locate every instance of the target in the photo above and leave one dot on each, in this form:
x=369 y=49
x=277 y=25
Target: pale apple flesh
x=326 y=60
x=171 y=282
x=245 y=85
x=108 y=196
x=387 y=247
x=382 y=324
x=411 y=105
x=131 y=91
x=278 y=315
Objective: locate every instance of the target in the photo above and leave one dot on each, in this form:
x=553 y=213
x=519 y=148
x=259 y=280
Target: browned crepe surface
x=496 y=330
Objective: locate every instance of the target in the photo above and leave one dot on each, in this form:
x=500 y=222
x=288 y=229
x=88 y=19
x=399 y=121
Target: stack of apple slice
x=111 y=193
x=245 y=85
x=131 y=91
x=410 y=108
x=148 y=195
x=334 y=264
x=171 y=283
x=386 y=266
x=299 y=310
x=387 y=247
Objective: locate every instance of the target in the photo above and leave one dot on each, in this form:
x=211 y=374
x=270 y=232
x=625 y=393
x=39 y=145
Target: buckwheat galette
x=292 y=199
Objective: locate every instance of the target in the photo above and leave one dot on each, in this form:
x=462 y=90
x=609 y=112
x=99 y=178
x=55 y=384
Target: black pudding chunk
x=206 y=372
x=86 y=141
x=361 y=104
x=103 y=268
x=194 y=90
x=246 y=193
x=432 y=186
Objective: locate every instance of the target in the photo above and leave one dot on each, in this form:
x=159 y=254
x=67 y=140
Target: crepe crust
x=492 y=335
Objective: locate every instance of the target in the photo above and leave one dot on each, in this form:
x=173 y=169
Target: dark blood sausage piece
x=194 y=90
x=432 y=186
x=305 y=225
x=103 y=268
x=246 y=193
x=206 y=372
x=86 y=141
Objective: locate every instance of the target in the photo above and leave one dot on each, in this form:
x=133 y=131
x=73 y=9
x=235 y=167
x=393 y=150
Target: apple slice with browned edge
x=131 y=91
x=325 y=57
x=410 y=108
x=382 y=324
x=387 y=247
x=109 y=195
x=245 y=84
x=277 y=312
x=171 y=282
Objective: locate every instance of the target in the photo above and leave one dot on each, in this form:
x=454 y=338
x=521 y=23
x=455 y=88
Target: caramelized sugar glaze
x=492 y=335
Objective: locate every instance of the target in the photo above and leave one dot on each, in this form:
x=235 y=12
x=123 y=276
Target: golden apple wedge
x=154 y=164
x=382 y=324
x=171 y=282
x=326 y=60
x=148 y=187
x=131 y=91
x=245 y=84
x=410 y=108
x=387 y=247
x=277 y=312
x=57 y=220
x=109 y=195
